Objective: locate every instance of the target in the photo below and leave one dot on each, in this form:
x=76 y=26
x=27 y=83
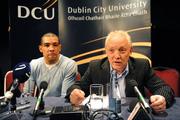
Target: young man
x=56 y=69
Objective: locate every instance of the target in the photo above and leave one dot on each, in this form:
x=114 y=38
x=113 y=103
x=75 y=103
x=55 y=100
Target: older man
x=118 y=48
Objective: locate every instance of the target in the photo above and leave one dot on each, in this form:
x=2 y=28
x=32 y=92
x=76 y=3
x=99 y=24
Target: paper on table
x=85 y=101
x=105 y=101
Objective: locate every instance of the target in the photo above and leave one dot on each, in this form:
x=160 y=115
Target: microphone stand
x=36 y=111
x=16 y=93
x=12 y=105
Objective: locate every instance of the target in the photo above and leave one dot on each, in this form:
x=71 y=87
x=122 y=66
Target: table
x=171 y=113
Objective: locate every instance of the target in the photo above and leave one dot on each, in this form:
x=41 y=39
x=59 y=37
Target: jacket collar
x=105 y=67
x=130 y=76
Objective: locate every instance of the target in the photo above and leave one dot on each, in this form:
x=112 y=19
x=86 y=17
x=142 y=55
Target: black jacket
x=139 y=69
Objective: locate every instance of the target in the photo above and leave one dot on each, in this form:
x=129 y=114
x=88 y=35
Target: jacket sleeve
x=157 y=86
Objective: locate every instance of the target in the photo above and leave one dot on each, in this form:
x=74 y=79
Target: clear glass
x=96 y=96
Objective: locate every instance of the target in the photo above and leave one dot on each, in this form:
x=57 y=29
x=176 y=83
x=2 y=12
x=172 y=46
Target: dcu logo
x=37 y=13
x=46 y=11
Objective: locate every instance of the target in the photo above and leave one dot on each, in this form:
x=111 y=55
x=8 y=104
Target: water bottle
x=111 y=98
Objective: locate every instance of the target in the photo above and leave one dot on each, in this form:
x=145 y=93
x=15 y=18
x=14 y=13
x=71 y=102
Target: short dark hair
x=49 y=34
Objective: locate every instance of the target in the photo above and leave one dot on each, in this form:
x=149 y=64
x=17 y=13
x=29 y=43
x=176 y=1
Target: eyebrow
x=50 y=43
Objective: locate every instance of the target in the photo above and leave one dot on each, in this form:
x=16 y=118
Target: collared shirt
x=119 y=81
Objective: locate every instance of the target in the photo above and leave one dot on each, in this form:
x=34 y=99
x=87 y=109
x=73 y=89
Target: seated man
x=56 y=69
x=118 y=47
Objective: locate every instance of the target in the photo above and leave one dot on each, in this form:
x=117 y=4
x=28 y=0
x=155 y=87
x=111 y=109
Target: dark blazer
x=139 y=69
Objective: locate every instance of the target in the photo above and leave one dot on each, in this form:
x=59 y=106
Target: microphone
x=43 y=87
x=21 y=73
x=140 y=96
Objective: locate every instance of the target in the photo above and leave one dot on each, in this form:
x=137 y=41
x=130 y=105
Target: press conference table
x=171 y=113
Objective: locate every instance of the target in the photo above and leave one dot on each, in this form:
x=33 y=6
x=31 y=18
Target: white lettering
x=99 y=9
x=46 y=14
x=36 y=13
x=20 y=13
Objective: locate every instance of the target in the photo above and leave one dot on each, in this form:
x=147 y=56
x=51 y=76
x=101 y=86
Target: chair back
x=8 y=80
x=171 y=76
x=78 y=76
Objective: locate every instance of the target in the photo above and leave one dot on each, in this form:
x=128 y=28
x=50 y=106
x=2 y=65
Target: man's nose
x=51 y=47
x=117 y=54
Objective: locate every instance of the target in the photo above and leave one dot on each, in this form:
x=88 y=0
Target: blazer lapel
x=105 y=74
x=105 y=71
x=129 y=90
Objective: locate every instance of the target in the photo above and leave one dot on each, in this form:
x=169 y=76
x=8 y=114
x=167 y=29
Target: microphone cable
x=86 y=111
x=109 y=114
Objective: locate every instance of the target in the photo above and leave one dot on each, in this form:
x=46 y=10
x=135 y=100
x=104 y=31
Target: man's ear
x=60 y=48
x=40 y=48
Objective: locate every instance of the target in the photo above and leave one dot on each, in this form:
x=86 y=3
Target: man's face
x=118 y=50
x=50 y=48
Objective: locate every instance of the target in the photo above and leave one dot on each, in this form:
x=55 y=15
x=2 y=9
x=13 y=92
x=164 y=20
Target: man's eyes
x=55 y=44
x=120 y=50
x=47 y=45
x=111 y=50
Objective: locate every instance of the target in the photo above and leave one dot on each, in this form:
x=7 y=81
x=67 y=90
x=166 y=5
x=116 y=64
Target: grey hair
x=122 y=33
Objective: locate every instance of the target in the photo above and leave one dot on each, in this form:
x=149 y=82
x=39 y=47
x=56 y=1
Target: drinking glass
x=96 y=96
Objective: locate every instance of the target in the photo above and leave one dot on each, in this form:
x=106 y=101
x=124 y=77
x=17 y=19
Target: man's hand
x=158 y=103
x=76 y=97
